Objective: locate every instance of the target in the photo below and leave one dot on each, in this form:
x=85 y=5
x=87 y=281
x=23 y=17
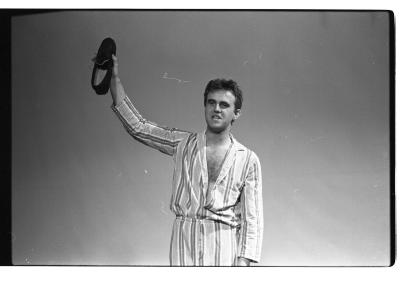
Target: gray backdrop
x=316 y=111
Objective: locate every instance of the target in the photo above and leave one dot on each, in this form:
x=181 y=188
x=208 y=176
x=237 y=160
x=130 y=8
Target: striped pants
x=202 y=242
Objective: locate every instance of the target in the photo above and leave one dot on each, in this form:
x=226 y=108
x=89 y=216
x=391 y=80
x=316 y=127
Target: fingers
x=115 y=65
x=115 y=60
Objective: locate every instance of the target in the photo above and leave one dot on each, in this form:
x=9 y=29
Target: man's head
x=224 y=84
x=223 y=102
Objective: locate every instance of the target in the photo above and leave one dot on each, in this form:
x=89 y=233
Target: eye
x=224 y=105
x=210 y=102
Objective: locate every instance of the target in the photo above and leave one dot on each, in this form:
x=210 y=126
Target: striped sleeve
x=161 y=138
x=251 y=229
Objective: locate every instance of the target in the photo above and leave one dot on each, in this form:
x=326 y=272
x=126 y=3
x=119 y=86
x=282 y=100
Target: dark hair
x=224 y=84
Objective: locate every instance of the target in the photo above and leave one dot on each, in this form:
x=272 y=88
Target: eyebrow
x=213 y=100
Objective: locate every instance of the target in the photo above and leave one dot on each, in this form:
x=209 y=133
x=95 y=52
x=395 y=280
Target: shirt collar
x=237 y=146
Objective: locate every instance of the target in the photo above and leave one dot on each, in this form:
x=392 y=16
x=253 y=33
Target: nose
x=217 y=108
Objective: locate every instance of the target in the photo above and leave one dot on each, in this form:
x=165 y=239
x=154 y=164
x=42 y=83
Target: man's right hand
x=116 y=88
x=115 y=66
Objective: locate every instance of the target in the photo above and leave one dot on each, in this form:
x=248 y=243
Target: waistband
x=202 y=220
x=193 y=219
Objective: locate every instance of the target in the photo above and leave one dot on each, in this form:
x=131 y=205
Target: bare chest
x=215 y=160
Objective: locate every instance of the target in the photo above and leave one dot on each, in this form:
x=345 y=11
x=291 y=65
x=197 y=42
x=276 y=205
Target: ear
x=237 y=114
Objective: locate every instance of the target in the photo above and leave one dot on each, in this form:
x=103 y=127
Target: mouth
x=216 y=117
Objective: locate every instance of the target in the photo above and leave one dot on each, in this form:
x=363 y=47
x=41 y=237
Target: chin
x=218 y=129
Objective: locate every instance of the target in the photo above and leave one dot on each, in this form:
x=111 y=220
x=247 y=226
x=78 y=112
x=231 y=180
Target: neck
x=219 y=139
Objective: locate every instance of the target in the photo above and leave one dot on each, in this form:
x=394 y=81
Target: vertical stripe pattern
x=210 y=243
x=230 y=225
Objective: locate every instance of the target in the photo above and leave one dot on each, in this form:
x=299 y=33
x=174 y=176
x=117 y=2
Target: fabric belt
x=202 y=219
x=192 y=219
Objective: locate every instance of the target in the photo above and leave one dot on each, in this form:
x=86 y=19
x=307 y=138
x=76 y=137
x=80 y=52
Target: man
x=217 y=184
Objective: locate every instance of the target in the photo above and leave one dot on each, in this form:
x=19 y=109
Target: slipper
x=103 y=61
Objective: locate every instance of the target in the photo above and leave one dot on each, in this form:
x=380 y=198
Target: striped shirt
x=214 y=225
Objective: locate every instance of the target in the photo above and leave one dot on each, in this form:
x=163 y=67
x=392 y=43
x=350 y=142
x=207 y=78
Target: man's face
x=220 y=110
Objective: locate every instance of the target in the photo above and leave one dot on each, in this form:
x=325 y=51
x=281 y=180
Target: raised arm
x=161 y=138
x=117 y=90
